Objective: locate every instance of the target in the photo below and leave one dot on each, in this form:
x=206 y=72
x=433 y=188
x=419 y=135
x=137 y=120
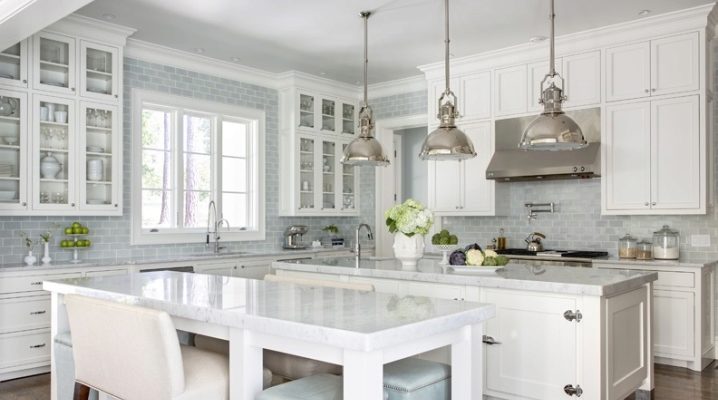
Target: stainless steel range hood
x=510 y=163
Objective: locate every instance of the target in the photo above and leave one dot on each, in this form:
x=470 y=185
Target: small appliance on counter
x=293 y=237
x=666 y=244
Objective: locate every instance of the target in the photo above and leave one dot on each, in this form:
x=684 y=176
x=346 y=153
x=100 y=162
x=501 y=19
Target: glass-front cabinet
x=13 y=150
x=99 y=162
x=306 y=174
x=13 y=65
x=326 y=115
x=329 y=173
x=306 y=111
x=349 y=185
x=54 y=63
x=54 y=153
x=98 y=71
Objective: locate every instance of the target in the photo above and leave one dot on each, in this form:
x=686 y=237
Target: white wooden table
x=360 y=330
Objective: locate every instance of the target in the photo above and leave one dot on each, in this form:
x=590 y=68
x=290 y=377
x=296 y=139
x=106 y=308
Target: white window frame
x=219 y=112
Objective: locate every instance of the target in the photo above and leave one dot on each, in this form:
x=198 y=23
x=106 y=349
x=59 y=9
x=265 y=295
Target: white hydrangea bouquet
x=409 y=222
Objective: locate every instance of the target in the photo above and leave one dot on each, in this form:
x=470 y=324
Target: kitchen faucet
x=213 y=226
x=357 y=245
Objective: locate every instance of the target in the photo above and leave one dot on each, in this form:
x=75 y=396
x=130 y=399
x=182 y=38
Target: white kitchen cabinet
x=537 y=350
x=510 y=91
x=99 y=71
x=326 y=114
x=475 y=98
x=14 y=146
x=460 y=188
x=13 y=65
x=628 y=70
x=54 y=63
x=253 y=269
x=663 y=66
x=652 y=158
x=536 y=74
x=673 y=324
x=582 y=75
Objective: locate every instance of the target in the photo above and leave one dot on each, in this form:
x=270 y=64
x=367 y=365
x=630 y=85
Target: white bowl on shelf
x=10 y=140
x=6 y=195
x=95 y=149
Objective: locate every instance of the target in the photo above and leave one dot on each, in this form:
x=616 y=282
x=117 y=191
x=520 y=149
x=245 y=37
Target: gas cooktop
x=554 y=253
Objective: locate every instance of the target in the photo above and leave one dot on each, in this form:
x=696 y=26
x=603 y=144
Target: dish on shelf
x=7 y=76
x=6 y=195
x=95 y=201
x=10 y=140
x=95 y=149
x=58 y=84
x=95 y=90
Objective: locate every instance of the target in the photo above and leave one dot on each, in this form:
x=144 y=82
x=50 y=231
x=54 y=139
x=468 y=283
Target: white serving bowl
x=6 y=195
x=10 y=140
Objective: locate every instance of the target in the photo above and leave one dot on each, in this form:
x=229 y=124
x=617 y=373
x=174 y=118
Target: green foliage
x=331 y=229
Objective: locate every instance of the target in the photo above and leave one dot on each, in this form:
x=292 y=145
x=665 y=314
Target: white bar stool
x=133 y=353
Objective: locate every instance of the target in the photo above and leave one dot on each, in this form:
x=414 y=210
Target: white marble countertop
x=362 y=321
x=555 y=279
x=114 y=262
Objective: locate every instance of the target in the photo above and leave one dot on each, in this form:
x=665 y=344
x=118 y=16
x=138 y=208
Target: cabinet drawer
x=675 y=279
x=24 y=348
x=22 y=314
x=19 y=284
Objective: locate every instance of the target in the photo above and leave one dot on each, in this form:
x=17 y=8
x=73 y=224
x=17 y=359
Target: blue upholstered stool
x=408 y=379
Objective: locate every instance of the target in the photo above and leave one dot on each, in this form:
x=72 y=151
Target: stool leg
x=82 y=392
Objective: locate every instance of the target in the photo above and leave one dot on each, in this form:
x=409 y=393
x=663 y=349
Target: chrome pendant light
x=447 y=142
x=365 y=149
x=552 y=130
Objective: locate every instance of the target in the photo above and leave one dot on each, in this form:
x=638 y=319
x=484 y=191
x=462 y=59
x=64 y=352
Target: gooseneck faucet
x=357 y=245
x=213 y=225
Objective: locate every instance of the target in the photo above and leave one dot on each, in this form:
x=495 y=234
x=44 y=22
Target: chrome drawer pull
x=37 y=312
x=489 y=340
x=36 y=283
x=37 y=346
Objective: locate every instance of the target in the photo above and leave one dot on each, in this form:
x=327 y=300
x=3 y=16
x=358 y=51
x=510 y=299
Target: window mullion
x=216 y=150
x=179 y=167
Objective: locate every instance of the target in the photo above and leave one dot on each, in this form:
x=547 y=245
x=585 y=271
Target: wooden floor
x=671 y=384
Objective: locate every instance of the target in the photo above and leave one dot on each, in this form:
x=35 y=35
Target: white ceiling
x=324 y=37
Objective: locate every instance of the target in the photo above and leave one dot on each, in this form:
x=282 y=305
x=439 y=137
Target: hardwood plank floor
x=671 y=384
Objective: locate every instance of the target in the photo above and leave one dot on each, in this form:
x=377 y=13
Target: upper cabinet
x=582 y=76
x=473 y=93
x=325 y=114
x=13 y=65
x=658 y=67
x=99 y=66
x=54 y=63
x=511 y=91
x=536 y=74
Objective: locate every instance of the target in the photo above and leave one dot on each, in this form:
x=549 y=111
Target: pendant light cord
x=446 y=41
x=553 y=46
x=365 y=15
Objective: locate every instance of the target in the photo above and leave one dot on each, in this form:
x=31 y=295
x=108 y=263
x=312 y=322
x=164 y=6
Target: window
x=187 y=153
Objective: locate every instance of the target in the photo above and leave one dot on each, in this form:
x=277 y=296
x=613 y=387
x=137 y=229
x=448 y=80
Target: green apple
x=63 y=243
x=76 y=230
x=68 y=231
x=85 y=230
x=88 y=243
x=76 y=225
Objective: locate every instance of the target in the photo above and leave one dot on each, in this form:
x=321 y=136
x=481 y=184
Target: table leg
x=58 y=324
x=466 y=364
x=245 y=366
x=363 y=375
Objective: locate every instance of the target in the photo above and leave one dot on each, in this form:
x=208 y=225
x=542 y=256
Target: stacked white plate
x=94 y=170
x=5 y=170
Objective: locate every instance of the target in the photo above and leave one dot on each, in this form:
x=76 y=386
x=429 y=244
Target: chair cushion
x=206 y=375
x=417 y=379
x=316 y=387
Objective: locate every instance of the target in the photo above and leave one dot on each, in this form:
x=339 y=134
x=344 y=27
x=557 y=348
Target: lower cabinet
x=673 y=324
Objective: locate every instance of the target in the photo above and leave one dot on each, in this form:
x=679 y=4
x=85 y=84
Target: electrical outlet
x=700 y=240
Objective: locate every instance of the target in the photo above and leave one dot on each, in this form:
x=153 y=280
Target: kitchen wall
x=111 y=235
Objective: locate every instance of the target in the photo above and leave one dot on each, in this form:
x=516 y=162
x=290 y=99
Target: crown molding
x=317 y=83
x=93 y=29
x=649 y=27
x=398 y=86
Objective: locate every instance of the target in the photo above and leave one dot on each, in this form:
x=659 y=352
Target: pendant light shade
x=365 y=149
x=447 y=142
x=553 y=130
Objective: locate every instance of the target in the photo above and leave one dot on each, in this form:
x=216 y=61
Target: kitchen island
x=359 y=330
x=558 y=331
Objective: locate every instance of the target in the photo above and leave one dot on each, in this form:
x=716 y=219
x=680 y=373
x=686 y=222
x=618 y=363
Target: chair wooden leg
x=82 y=392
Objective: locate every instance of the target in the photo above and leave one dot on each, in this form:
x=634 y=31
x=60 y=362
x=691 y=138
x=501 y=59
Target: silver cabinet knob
x=72 y=204
x=647 y=204
x=24 y=203
x=73 y=89
x=573 y=391
x=24 y=81
x=489 y=340
x=115 y=205
x=116 y=96
x=653 y=90
x=571 y=315
x=653 y=204
x=647 y=91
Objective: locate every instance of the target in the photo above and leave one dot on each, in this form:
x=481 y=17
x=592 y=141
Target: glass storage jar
x=627 y=247
x=645 y=250
x=666 y=244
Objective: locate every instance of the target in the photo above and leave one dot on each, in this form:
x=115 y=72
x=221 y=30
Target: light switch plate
x=700 y=240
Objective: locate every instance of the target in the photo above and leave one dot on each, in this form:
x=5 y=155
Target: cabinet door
x=445 y=186
x=349 y=183
x=676 y=154
x=675 y=64
x=100 y=162
x=536 y=74
x=253 y=269
x=306 y=113
x=99 y=71
x=14 y=149
x=54 y=154
x=478 y=191
x=627 y=157
x=349 y=119
x=537 y=351
x=673 y=324
x=328 y=116
x=329 y=175
x=510 y=91
x=54 y=63
x=628 y=71
x=475 y=96
x=13 y=65
x=582 y=73
x=307 y=173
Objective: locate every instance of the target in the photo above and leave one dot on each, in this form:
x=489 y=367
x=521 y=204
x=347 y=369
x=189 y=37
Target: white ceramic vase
x=408 y=250
x=49 y=166
x=30 y=259
x=46 y=257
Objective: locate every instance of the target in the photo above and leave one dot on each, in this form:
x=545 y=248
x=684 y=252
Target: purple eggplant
x=458 y=257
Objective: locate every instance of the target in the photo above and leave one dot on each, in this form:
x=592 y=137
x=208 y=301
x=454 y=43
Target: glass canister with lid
x=666 y=244
x=627 y=247
x=645 y=250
